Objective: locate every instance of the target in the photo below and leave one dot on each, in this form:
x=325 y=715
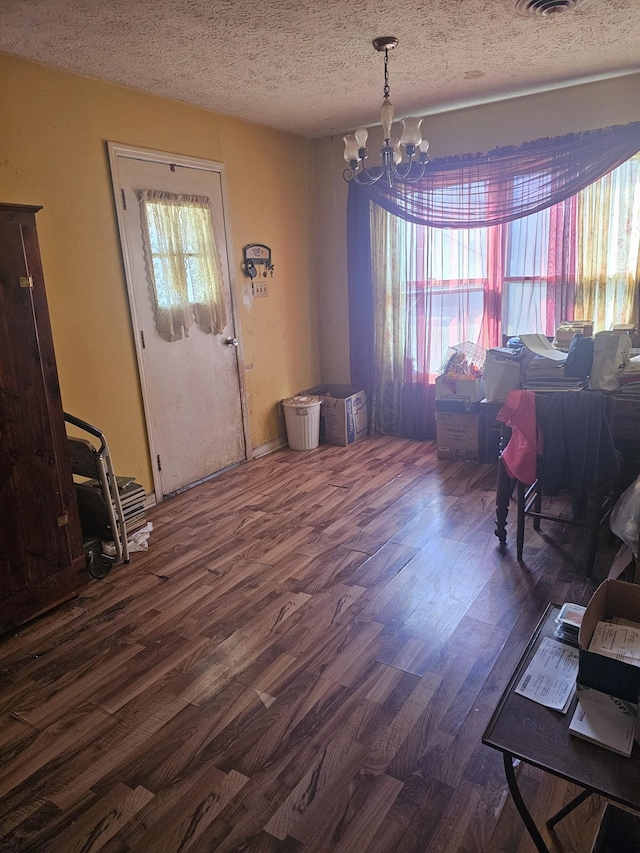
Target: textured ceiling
x=309 y=67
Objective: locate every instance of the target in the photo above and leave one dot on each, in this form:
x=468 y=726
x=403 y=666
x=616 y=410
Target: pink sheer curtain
x=435 y=288
x=503 y=262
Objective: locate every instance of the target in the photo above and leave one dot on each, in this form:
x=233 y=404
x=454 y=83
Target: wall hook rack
x=256 y=257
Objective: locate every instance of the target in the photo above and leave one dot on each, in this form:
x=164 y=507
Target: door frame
x=117 y=150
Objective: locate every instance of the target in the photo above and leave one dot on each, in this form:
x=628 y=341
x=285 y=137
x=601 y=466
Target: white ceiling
x=309 y=67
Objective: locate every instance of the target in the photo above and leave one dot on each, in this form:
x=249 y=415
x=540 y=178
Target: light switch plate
x=260 y=289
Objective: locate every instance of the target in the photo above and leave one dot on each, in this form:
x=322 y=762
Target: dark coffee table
x=522 y=729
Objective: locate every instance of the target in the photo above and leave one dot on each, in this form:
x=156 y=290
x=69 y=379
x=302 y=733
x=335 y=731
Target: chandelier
x=393 y=167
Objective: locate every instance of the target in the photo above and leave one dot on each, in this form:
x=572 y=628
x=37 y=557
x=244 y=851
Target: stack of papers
x=545 y=372
x=604 y=720
x=550 y=678
x=619 y=639
x=630 y=378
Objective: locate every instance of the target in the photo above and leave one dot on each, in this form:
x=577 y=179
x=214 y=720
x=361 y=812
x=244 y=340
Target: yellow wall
x=471 y=130
x=53 y=132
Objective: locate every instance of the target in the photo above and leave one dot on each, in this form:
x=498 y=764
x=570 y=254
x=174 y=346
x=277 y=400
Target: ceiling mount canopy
x=393 y=166
x=545 y=8
x=385 y=43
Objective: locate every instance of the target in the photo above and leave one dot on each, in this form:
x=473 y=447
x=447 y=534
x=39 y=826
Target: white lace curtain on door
x=183 y=264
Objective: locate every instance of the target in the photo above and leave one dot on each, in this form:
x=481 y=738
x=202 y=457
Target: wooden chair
x=599 y=497
x=529 y=502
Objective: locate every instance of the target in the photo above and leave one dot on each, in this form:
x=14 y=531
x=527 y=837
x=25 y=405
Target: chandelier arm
x=402 y=171
x=366 y=177
x=413 y=172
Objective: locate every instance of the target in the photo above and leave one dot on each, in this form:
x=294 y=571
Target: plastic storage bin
x=302 y=417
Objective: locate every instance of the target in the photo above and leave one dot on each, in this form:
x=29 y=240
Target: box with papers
x=610 y=651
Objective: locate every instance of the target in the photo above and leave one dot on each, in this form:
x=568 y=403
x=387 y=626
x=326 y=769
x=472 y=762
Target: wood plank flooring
x=304 y=661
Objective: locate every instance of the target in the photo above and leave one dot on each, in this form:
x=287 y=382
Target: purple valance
x=480 y=190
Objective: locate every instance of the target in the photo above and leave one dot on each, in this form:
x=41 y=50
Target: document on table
x=541 y=345
x=604 y=720
x=550 y=678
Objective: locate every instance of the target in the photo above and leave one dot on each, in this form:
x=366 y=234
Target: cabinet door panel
x=39 y=529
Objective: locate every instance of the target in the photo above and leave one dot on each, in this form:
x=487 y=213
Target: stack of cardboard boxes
x=458 y=417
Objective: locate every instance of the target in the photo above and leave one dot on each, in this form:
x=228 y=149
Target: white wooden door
x=193 y=388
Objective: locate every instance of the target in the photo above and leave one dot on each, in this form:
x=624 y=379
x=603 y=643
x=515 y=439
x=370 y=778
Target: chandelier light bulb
x=411 y=133
x=351 y=148
x=361 y=134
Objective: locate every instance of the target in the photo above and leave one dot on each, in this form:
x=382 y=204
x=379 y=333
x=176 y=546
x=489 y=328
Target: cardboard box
x=612 y=598
x=457 y=405
x=457 y=435
x=344 y=416
x=468 y=390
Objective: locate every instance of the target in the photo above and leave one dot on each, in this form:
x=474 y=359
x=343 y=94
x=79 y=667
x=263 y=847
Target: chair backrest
x=84 y=458
x=579 y=452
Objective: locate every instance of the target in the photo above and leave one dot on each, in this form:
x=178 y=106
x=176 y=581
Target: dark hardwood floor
x=304 y=660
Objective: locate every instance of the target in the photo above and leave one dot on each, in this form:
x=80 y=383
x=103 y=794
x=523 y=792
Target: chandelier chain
x=386 y=90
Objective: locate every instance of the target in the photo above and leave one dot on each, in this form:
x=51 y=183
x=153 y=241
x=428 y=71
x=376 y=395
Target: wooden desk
x=522 y=729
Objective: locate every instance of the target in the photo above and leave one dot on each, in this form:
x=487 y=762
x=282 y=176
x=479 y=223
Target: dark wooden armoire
x=41 y=553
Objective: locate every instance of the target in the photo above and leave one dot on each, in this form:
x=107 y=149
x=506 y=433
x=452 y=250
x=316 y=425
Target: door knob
x=231 y=342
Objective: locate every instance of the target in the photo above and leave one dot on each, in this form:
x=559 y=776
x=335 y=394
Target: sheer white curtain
x=608 y=247
x=183 y=264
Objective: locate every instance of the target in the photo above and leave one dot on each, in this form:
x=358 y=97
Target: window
x=419 y=283
x=182 y=263
x=575 y=260
x=448 y=295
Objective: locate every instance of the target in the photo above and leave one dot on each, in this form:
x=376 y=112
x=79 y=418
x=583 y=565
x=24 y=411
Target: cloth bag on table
x=611 y=354
x=502 y=373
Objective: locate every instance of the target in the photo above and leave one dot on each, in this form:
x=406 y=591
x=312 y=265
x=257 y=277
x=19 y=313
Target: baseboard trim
x=269 y=446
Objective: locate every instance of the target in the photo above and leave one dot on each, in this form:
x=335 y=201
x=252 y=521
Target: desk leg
x=595 y=521
x=521 y=491
x=575 y=802
x=523 y=811
x=503 y=490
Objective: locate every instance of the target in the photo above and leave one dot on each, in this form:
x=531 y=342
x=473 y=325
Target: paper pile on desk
x=630 y=378
x=550 y=678
x=545 y=372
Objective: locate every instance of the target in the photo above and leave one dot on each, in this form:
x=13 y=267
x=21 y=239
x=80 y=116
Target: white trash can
x=302 y=417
